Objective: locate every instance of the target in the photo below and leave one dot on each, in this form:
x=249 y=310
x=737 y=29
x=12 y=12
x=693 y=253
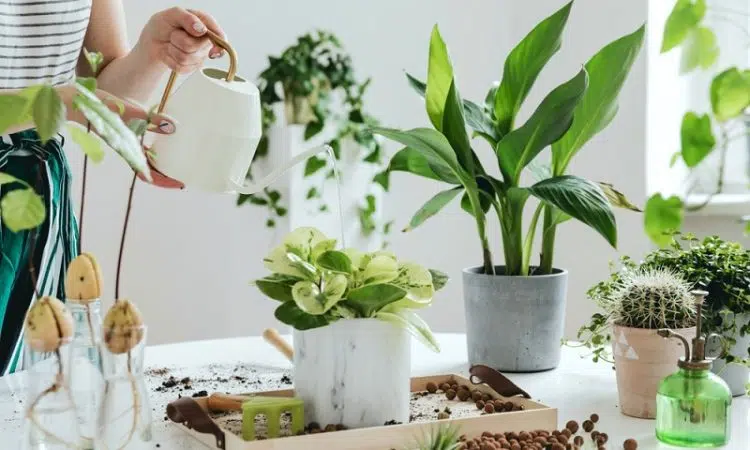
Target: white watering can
x=219 y=126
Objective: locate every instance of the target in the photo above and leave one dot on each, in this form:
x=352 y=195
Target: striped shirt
x=41 y=40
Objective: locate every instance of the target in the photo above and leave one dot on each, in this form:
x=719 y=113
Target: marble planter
x=354 y=372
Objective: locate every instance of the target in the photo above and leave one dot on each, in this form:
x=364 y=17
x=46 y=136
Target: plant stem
x=83 y=194
x=529 y=241
x=124 y=233
x=548 y=241
x=476 y=206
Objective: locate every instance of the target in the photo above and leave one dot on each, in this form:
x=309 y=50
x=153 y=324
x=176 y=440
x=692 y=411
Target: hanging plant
x=308 y=78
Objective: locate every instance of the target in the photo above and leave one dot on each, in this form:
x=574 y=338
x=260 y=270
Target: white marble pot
x=354 y=372
x=736 y=375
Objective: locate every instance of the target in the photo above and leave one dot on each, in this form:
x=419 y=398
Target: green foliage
x=441 y=437
x=684 y=18
x=662 y=217
x=308 y=77
x=719 y=267
x=697 y=138
x=317 y=285
x=566 y=119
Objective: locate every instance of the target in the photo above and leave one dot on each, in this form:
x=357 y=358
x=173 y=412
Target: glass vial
x=693 y=409
x=86 y=373
x=124 y=421
x=50 y=421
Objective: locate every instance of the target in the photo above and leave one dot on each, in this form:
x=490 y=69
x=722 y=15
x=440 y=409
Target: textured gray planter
x=514 y=324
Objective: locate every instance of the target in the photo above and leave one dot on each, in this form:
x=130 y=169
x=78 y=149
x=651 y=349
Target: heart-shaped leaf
x=370 y=299
x=89 y=144
x=49 y=113
x=22 y=209
x=582 y=200
x=684 y=17
x=699 y=50
x=662 y=217
x=730 y=93
x=697 y=138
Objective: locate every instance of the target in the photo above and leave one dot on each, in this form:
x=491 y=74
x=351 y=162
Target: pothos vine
x=307 y=77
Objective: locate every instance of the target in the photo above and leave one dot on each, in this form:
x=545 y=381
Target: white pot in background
x=354 y=372
x=737 y=376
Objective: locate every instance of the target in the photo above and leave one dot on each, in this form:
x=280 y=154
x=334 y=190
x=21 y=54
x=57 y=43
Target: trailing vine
x=314 y=80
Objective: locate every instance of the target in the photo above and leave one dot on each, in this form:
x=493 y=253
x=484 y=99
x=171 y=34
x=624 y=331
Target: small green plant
x=315 y=81
x=42 y=106
x=567 y=118
x=441 y=437
x=709 y=133
x=317 y=285
x=646 y=298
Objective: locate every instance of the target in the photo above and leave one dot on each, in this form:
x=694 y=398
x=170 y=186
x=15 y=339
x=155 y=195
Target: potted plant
x=515 y=312
x=637 y=303
x=310 y=96
x=352 y=314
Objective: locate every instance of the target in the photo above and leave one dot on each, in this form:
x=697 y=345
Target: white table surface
x=578 y=387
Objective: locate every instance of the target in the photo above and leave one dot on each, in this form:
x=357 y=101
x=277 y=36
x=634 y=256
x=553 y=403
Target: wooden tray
x=191 y=415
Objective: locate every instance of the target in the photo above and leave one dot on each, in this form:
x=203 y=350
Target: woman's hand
x=177 y=37
x=128 y=110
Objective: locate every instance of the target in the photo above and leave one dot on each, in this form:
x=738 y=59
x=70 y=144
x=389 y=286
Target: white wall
x=190 y=255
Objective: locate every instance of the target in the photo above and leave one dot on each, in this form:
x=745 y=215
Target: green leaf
x=523 y=65
x=110 y=127
x=383 y=179
x=49 y=113
x=486 y=196
x=617 y=198
x=419 y=86
x=12 y=111
x=335 y=261
x=439 y=79
x=730 y=93
x=432 y=207
x=89 y=144
x=439 y=279
x=700 y=50
x=675 y=157
x=95 y=60
x=275 y=290
x=431 y=144
x=290 y=314
x=313 y=128
x=6 y=178
x=696 y=137
x=138 y=126
x=412 y=161
x=581 y=199
x=88 y=83
x=683 y=18
x=546 y=125
x=412 y=323
x=313 y=165
x=663 y=216
x=607 y=70
x=22 y=209
x=370 y=299
x=454 y=129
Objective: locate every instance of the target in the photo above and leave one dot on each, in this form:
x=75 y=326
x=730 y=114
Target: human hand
x=128 y=110
x=177 y=37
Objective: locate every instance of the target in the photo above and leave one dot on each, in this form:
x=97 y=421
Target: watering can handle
x=216 y=39
x=257 y=186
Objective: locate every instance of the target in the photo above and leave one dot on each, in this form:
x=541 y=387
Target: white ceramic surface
x=737 y=376
x=353 y=372
x=577 y=388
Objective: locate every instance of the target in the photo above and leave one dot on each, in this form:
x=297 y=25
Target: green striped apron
x=46 y=169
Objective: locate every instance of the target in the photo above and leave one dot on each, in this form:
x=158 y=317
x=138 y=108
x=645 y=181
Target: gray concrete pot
x=514 y=324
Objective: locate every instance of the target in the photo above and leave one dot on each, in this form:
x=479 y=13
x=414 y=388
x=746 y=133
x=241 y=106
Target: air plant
x=442 y=437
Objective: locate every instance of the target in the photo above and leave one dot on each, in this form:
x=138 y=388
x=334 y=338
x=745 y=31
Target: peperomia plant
x=566 y=119
x=317 y=285
x=315 y=81
x=42 y=106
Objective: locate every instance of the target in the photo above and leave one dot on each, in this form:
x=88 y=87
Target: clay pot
x=642 y=360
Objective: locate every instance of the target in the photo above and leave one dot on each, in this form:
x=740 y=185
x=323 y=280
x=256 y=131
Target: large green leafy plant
x=42 y=106
x=317 y=285
x=708 y=133
x=722 y=268
x=565 y=120
x=315 y=81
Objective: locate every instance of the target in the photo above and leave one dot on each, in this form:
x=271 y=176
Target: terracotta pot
x=642 y=360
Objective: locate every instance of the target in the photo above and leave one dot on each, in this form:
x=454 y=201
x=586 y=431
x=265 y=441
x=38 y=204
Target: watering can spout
x=253 y=187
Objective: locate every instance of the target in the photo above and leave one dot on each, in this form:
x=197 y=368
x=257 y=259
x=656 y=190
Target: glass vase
x=86 y=377
x=50 y=421
x=124 y=421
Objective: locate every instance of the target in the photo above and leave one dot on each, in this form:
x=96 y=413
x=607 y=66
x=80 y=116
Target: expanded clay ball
x=476 y=396
x=450 y=394
x=432 y=387
x=489 y=408
x=122 y=327
x=463 y=395
x=595 y=418
x=588 y=426
x=578 y=440
x=572 y=425
x=83 y=280
x=630 y=444
x=47 y=323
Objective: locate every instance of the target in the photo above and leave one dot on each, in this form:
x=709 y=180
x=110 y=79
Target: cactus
x=651 y=299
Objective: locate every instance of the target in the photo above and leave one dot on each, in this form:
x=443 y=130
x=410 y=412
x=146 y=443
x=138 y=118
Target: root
x=31 y=416
x=136 y=402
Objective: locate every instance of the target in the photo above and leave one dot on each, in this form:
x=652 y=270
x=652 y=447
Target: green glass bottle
x=693 y=405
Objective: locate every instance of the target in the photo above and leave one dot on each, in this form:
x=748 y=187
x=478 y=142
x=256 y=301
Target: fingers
x=212 y=25
x=182 y=18
x=185 y=53
x=130 y=110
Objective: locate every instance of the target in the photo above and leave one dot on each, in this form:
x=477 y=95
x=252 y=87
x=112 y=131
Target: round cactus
x=652 y=299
